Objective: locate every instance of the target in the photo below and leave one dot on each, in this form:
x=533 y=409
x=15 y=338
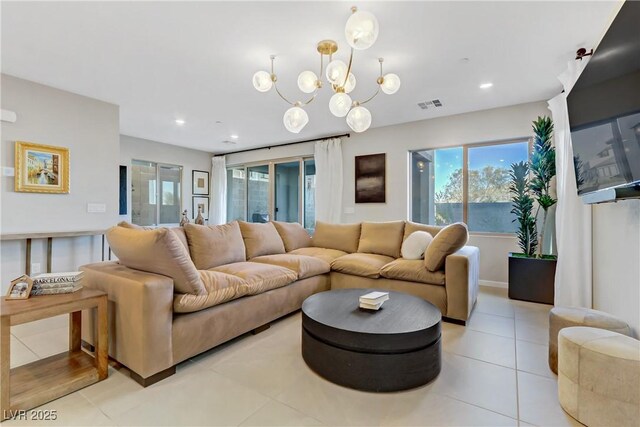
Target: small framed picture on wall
x=201 y=203
x=200 y=183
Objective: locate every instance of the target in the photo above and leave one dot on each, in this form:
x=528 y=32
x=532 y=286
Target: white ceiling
x=165 y=60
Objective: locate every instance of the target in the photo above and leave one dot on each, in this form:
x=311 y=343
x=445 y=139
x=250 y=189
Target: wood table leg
x=102 y=341
x=75 y=330
x=5 y=368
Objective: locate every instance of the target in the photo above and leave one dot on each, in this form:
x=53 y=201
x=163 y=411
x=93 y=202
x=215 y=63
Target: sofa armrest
x=140 y=315
x=461 y=281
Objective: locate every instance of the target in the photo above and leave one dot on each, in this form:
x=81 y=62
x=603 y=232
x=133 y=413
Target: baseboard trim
x=493 y=284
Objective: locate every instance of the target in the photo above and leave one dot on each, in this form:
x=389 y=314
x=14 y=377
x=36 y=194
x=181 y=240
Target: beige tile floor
x=494 y=373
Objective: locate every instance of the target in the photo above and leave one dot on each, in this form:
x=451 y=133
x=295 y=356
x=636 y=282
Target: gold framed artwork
x=41 y=168
x=20 y=288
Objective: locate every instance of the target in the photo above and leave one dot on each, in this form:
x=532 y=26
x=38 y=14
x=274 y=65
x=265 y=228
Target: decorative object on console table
x=20 y=288
x=41 y=168
x=202 y=204
x=370 y=178
x=199 y=219
x=185 y=218
x=200 y=183
x=532 y=273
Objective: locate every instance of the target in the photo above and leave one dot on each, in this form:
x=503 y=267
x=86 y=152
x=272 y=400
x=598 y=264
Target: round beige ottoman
x=599 y=376
x=563 y=317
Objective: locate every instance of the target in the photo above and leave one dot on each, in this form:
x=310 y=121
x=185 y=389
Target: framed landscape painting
x=203 y=204
x=41 y=168
x=200 y=183
x=370 y=178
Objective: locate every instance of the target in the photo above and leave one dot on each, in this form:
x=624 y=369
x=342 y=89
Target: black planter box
x=532 y=279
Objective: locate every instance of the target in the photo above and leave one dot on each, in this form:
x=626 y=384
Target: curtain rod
x=269 y=147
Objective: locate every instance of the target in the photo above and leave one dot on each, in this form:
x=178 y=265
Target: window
x=281 y=190
x=145 y=193
x=468 y=183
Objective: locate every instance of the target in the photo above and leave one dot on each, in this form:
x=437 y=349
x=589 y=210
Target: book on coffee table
x=373 y=300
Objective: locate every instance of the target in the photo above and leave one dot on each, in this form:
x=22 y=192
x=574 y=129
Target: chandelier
x=361 y=32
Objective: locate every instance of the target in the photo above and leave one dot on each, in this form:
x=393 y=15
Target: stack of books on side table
x=56 y=283
x=373 y=300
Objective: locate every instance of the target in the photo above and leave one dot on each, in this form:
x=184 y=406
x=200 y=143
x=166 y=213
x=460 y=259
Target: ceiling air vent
x=426 y=105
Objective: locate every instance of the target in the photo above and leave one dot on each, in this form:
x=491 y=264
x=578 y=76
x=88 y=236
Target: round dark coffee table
x=394 y=348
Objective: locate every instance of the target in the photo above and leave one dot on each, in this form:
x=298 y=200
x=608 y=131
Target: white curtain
x=328 y=157
x=573 y=286
x=218 y=202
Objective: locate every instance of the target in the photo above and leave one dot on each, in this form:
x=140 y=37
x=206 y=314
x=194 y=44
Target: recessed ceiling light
x=234 y=136
x=486 y=85
x=180 y=122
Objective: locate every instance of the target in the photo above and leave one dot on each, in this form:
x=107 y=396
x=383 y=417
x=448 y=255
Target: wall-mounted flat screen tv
x=604 y=109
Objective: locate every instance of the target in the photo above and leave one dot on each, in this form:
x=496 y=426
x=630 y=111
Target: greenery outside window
x=467 y=183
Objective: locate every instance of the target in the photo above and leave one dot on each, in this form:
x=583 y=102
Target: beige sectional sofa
x=175 y=293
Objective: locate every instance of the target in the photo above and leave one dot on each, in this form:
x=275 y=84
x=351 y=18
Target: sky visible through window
x=448 y=160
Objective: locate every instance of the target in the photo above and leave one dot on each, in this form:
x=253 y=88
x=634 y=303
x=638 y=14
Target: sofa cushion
x=179 y=231
x=415 y=245
x=325 y=254
x=342 y=237
x=220 y=287
x=305 y=266
x=447 y=241
x=412 y=270
x=382 y=238
x=214 y=245
x=156 y=251
x=359 y=264
x=293 y=235
x=412 y=227
x=260 y=277
x=261 y=239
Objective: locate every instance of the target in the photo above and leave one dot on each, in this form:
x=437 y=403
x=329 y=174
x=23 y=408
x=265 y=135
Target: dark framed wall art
x=370 y=177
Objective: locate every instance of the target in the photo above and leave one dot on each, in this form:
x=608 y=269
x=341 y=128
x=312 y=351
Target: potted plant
x=531 y=272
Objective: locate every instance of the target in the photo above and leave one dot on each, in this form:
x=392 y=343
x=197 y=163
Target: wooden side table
x=42 y=381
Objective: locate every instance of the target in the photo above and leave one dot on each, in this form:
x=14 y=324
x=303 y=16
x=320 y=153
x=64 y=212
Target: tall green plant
x=523 y=208
x=543 y=169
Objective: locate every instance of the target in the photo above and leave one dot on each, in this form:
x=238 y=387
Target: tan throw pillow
x=126 y=224
x=261 y=239
x=383 y=238
x=293 y=235
x=343 y=237
x=450 y=239
x=156 y=251
x=214 y=245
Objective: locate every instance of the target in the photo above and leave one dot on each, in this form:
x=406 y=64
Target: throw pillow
x=214 y=245
x=343 y=237
x=382 y=238
x=157 y=251
x=450 y=239
x=261 y=239
x=416 y=244
x=293 y=235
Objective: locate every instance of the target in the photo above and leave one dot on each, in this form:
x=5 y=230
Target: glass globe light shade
x=295 y=118
x=359 y=119
x=339 y=104
x=307 y=81
x=350 y=85
x=262 y=81
x=361 y=30
x=390 y=84
x=336 y=71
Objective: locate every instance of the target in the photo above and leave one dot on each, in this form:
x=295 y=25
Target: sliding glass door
x=279 y=190
x=156 y=193
x=258 y=193
x=287 y=192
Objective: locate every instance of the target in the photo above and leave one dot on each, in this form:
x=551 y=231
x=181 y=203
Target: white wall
x=90 y=129
x=616 y=260
x=396 y=141
x=142 y=149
